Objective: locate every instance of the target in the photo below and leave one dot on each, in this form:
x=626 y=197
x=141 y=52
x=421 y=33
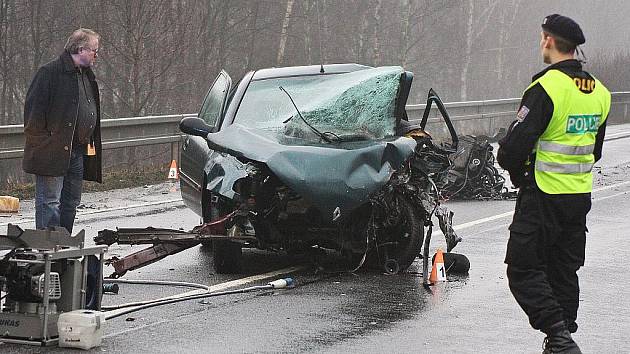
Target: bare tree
x=143 y=39
x=253 y=31
x=284 y=34
x=307 y=7
x=474 y=29
x=377 y=24
x=160 y=56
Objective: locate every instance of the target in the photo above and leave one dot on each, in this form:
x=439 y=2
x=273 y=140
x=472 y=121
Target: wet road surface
x=368 y=312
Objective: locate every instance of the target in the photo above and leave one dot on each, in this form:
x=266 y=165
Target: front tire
x=400 y=243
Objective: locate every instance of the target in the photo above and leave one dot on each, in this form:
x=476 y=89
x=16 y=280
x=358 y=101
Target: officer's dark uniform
x=548 y=231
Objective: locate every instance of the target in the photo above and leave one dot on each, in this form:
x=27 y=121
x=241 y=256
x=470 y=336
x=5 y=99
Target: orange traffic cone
x=172 y=172
x=438 y=272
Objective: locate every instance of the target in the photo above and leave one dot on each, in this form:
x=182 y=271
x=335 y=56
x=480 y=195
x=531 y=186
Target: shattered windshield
x=352 y=106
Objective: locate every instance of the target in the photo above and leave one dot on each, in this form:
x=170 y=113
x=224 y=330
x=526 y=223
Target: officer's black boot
x=559 y=340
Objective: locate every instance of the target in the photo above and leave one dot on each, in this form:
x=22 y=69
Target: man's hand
x=507 y=163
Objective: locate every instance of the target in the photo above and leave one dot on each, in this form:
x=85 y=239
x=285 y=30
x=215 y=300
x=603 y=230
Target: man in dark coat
x=62 y=130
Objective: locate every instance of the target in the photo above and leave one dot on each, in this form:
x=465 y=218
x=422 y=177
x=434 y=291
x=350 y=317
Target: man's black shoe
x=559 y=340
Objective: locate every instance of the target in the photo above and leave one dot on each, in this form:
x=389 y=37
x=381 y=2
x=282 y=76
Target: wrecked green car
x=316 y=158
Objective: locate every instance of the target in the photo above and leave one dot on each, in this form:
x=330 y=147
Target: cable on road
x=148 y=282
x=156 y=282
x=276 y=284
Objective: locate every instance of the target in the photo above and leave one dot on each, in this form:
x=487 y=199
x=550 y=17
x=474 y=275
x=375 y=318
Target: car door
x=195 y=151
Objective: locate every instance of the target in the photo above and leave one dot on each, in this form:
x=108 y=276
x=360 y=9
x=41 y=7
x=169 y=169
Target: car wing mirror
x=195 y=126
x=198 y=127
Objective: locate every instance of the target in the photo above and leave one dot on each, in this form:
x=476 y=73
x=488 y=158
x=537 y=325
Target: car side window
x=212 y=107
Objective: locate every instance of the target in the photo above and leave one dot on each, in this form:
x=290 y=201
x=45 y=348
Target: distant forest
x=160 y=56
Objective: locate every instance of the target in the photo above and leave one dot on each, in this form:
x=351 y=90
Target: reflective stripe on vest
x=563 y=167
x=566 y=149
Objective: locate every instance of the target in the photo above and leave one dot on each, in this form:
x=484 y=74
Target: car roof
x=273 y=73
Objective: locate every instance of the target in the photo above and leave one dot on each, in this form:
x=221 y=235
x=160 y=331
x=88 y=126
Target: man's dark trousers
x=545 y=250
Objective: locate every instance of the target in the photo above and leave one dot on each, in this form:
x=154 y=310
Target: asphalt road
x=364 y=312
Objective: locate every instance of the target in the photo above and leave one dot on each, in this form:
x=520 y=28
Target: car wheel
x=400 y=243
x=226 y=256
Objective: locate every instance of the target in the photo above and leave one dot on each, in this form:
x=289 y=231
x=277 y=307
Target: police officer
x=549 y=152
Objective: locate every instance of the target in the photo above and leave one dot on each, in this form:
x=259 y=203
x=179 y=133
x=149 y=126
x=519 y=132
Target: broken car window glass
x=352 y=106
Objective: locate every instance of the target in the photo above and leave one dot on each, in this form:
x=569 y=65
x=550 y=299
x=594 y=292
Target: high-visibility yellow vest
x=564 y=152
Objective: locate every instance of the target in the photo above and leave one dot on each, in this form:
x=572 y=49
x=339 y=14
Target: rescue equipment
x=45 y=273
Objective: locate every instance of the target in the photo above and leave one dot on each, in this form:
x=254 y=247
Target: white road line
x=133 y=329
x=610 y=196
x=510 y=213
x=99 y=211
x=615 y=136
x=482 y=221
x=610 y=187
x=134 y=206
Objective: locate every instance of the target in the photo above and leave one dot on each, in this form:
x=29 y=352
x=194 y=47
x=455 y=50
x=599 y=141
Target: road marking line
x=134 y=206
x=98 y=211
x=616 y=136
x=610 y=196
x=503 y=225
x=510 y=213
x=610 y=187
x=482 y=221
x=133 y=329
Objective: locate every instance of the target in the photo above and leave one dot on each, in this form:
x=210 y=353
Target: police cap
x=564 y=27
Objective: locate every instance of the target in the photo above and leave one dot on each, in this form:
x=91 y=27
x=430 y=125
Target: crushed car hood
x=354 y=110
x=329 y=178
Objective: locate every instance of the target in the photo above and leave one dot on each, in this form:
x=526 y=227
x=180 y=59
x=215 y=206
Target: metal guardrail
x=146 y=140
x=133 y=136
x=487 y=117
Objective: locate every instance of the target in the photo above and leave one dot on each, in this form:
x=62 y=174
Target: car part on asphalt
x=455 y=263
x=473 y=174
x=165 y=242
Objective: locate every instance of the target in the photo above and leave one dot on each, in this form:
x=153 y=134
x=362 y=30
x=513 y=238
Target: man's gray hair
x=80 y=38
